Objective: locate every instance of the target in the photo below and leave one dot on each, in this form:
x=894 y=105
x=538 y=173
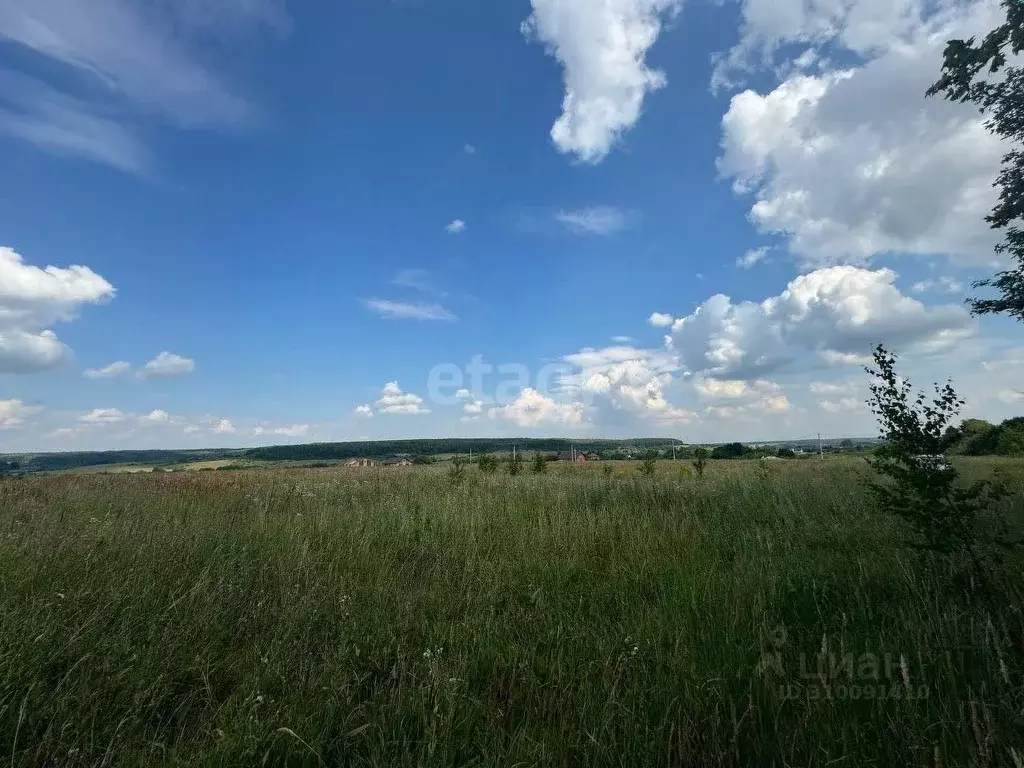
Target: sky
x=250 y=222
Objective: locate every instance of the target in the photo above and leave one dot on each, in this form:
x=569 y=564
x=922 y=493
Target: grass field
x=766 y=616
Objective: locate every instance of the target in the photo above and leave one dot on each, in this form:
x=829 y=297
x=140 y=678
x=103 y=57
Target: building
x=359 y=463
x=399 y=462
x=574 y=456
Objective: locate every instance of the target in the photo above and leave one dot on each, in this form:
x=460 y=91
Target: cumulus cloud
x=852 y=162
x=602 y=47
x=34 y=298
x=455 y=227
x=595 y=220
x=394 y=400
x=752 y=257
x=660 y=320
x=532 y=409
x=402 y=310
x=112 y=371
x=292 y=430
x=363 y=411
x=13 y=413
x=939 y=285
x=156 y=417
x=837 y=313
x=167 y=366
x=223 y=427
x=103 y=416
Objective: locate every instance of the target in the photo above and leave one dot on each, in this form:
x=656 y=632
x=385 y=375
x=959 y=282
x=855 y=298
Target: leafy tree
x=649 y=465
x=918 y=483
x=729 y=451
x=846 y=445
x=488 y=463
x=786 y=453
x=700 y=461
x=970 y=72
x=540 y=464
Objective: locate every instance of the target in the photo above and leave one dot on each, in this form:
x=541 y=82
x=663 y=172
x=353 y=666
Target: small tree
x=487 y=463
x=515 y=464
x=920 y=485
x=540 y=464
x=457 y=471
x=700 y=461
x=649 y=465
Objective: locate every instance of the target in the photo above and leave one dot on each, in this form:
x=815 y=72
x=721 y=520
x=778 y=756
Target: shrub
x=457 y=471
x=700 y=461
x=487 y=463
x=919 y=484
x=539 y=465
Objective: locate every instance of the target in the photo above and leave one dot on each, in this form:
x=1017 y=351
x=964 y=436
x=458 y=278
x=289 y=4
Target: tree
x=700 y=461
x=540 y=464
x=969 y=72
x=846 y=444
x=918 y=482
x=786 y=453
x=487 y=463
x=649 y=465
x=729 y=451
x=515 y=463
x=457 y=471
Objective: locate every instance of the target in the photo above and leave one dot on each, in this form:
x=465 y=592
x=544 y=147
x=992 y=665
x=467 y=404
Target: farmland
x=765 y=615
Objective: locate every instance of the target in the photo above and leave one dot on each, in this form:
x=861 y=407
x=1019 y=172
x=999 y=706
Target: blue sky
x=252 y=221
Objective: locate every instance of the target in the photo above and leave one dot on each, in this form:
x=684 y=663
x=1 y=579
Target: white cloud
x=1011 y=396
x=853 y=163
x=167 y=366
x=752 y=257
x=294 y=430
x=733 y=389
x=602 y=46
x=363 y=411
x=532 y=409
x=832 y=387
x=401 y=310
x=837 y=313
x=13 y=413
x=622 y=339
x=223 y=427
x=660 y=320
x=156 y=417
x=34 y=298
x=473 y=408
x=595 y=220
x=841 y=405
x=394 y=400
x=457 y=226
x=469 y=149
x=112 y=371
x=940 y=285
x=129 y=59
x=103 y=416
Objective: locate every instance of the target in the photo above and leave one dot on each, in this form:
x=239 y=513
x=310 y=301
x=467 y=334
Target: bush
x=919 y=484
x=700 y=461
x=487 y=463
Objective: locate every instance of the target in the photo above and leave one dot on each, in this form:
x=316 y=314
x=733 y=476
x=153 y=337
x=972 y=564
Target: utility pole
x=821 y=451
x=673 y=451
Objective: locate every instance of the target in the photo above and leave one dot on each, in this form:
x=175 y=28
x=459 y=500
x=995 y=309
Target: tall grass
x=389 y=617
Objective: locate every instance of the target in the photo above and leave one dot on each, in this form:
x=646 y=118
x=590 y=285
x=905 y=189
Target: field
x=766 y=616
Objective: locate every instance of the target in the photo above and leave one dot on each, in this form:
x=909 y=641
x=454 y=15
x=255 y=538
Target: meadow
x=766 y=615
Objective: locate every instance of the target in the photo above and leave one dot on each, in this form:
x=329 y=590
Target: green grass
x=383 y=617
